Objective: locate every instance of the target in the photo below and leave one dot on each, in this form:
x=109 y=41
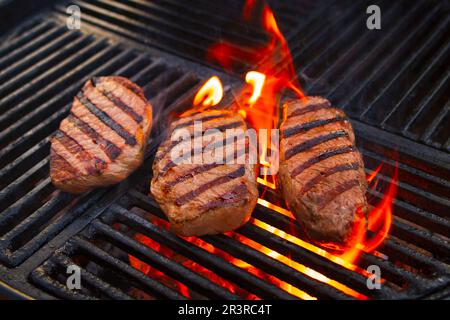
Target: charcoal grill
x=392 y=82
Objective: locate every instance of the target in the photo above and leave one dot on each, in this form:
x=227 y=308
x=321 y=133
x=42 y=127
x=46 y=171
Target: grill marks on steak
x=206 y=198
x=106 y=146
x=103 y=138
x=221 y=120
x=107 y=115
x=321 y=171
x=185 y=198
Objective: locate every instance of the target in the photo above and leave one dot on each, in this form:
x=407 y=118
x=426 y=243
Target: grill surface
x=43 y=65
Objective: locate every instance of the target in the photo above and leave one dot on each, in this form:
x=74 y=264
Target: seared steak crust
x=321 y=171
x=103 y=139
x=205 y=198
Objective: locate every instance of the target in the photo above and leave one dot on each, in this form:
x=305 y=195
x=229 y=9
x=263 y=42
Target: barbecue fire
x=258 y=102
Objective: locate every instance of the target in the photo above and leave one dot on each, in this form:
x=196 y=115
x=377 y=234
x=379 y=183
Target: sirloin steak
x=103 y=139
x=321 y=171
x=206 y=198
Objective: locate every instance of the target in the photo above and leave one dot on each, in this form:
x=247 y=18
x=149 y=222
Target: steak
x=205 y=197
x=321 y=171
x=104 y=137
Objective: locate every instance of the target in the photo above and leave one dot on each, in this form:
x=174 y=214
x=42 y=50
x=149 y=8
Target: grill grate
x=186 y=28
x=42 y=230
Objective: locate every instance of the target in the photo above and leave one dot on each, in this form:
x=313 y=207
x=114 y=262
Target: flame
x=379 y=221
x=272 y=75
x=209 y=95
x=374 y=173
x=258 y=100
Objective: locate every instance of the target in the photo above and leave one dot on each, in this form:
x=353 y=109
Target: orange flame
x=209 y=95
x=258 y=101
x=256 y=79
x=379 y=220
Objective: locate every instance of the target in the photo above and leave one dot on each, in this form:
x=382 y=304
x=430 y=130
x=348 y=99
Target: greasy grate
x=186 y=28
x=396 y=78
x=54 y=62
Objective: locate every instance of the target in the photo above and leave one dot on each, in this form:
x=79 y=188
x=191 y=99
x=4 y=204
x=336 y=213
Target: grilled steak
x=205 y=198
x=103 y=139
x=321 y=171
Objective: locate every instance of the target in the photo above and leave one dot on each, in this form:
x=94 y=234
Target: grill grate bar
x=420 y=198
x=19 y=188
x=352 y=31
x=31 y=225
x=26 y=69
x=309 y=259
x=415 y=59
x=149 y=71
x=276 y=268
x=335 y=71
x=423 y=239
x=20 y=208
x=63 y=97
x=409 y=256
x=21 y=39
x=441 y=86
x=203 y=257
x=200 y=33
x=25 y=247
x=41 y=279
x=170 y=268
x=305 y=48
x=155 y=287
x=391 y=273
x=135 y=29
x=12 y=219
x=30 y=46
x=19 y=100
x=193 y=17
x=27 y=160
x=439 y=120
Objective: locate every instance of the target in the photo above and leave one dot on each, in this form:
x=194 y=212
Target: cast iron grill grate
x=186 y=28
